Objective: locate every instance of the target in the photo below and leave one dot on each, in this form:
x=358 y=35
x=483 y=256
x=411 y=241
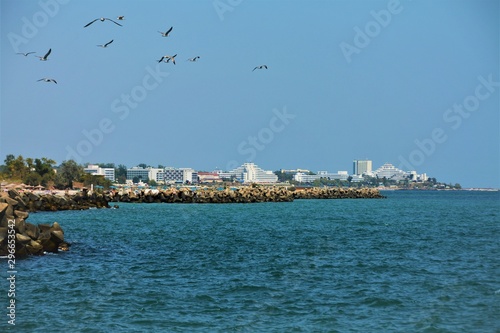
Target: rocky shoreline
x=20 y=238
x=239 y=195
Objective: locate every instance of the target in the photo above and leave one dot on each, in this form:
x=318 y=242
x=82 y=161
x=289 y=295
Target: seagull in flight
x=102 y=19
x=106 y=45
x=25 y=54
x=260 y=67
x=44 y=58
x=168 y=58
x=45 y=79
x=194 y=59
x=165 y=34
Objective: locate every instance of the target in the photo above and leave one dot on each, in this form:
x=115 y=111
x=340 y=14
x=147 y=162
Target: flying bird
x=44 y=58
x=102 y=19
x=106 y=45
x=168 y=58
x=194 y=59
x=25 y=54
x=45 y=79
x=120 y=18
x=260 y=67
x=165 y=34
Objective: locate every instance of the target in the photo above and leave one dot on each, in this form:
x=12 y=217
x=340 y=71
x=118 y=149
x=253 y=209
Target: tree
x=68 y=172
x=96 y=180
x=142 y=165
x=16 y=167
x=121 y=174
x=107 y=165
x=44 y=166
x=283 y=177
x=33 y=179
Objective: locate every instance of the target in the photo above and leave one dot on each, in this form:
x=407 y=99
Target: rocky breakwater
x=337 y=193
x=243 y=194
x=205 y=195
x=27 y=238
x=32 y=202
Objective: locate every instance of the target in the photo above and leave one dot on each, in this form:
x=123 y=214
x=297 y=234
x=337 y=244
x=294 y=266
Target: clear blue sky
x=412 y=83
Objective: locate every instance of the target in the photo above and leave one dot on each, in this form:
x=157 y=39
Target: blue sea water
x=413 y=262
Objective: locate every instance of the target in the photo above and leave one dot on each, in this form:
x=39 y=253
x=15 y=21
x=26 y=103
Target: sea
x=416 y=261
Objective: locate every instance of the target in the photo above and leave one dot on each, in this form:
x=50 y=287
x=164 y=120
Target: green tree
x=44 y=166
x=121 y=174
x=33 y=179
x=68 y=172
x=107 y=165
x=283 y=177
x=16 y=166
x=96 y=180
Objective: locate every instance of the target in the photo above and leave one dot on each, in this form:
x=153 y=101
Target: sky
x=411 y=83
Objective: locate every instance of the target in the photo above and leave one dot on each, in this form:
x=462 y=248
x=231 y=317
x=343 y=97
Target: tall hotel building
x=362 y=167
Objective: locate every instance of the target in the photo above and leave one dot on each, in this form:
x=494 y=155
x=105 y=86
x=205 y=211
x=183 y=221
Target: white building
x=414 y=176
x=108 y=173
x=389 y=171
x=250 y=173
x=180 y=175
x=306 y=178
x=361 y=167
x=145 y=174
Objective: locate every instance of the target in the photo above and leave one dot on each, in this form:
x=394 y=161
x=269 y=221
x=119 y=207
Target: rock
x=21 y=214
x=20 y=226
x=34 y=247
x=3 y=234
x=32 y=230
x=22 y=239
x=3 y=208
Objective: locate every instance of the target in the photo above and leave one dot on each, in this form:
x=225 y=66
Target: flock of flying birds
x=166 y=58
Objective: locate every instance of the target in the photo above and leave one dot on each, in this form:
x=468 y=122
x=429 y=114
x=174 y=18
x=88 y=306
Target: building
x=362 y=167
x=250 y=173
x=389 y=171
x=145 y=174
x=293 y=171
x=181 y=175
x=306 y=178
x=108 y=173
x=208 y=177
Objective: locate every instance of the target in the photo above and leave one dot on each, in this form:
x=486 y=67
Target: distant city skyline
x=250 y=172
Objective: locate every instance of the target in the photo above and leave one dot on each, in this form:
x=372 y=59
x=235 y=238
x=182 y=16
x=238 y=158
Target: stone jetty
x=25 y=237
x=337 y=193
x=243 y=194
x=32 y=202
